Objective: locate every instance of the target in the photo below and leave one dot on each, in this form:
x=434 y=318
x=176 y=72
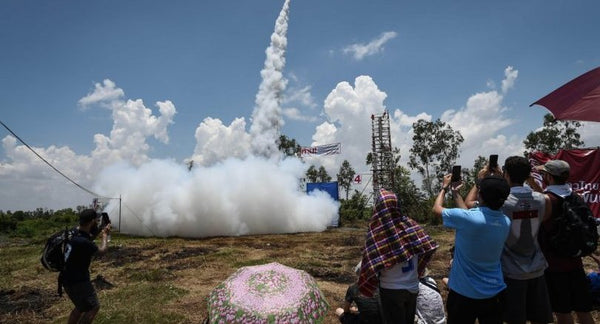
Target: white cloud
x=510 y=77
x=295 y=114
x=590 y=133
x=215 y=142
x=105 y=92
x=133 y=123
x=349 y=109
x=360 y=51
x=301 y=95
x=297 y=101
x=481 y=122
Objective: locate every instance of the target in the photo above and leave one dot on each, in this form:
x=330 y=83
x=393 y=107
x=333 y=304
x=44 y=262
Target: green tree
x=311 y=174
x=288 y=146
x=470 y=174
x=554 y=136
x=317 y=175
x=354 y=208
x=345 y=177
x=322 y=175
x=434 y=151
x=411 y=198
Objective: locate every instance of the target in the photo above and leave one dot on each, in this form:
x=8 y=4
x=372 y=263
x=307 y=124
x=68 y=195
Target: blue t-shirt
x=480 y=235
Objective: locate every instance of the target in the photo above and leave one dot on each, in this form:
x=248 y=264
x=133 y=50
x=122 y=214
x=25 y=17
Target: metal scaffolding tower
x=383 y=159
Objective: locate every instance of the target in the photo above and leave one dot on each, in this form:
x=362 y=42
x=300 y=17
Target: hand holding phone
x=456 y=173
x=493 y=162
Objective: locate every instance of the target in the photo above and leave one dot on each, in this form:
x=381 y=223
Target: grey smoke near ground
x=257 y=194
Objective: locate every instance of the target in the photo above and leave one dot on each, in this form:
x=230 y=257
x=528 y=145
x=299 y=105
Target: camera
x=105 y=221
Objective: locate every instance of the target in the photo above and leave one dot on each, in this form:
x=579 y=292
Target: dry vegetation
x=153 y=280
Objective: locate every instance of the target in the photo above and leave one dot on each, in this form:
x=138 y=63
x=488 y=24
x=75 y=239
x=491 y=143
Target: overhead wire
x=73 y=181
x=50 y=165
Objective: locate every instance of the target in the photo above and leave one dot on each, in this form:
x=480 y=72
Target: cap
x=87 y=215
x=555 y=167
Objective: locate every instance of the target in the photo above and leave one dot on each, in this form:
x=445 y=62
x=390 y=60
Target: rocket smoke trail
x=266 y=118
x=255 y=194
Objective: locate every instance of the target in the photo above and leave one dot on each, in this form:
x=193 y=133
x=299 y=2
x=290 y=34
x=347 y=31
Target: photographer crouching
x=75 y=278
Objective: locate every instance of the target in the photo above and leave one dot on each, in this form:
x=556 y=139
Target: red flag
x=584 y=177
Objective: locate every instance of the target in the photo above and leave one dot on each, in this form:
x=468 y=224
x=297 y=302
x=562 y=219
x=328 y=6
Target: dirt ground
x=190 y=268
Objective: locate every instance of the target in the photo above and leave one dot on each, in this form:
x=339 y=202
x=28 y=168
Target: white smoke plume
x=235 y=197
x=266 y=118
x=237 y=184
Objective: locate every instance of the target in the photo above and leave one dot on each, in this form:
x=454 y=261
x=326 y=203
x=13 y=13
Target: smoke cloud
x=266 y=118
x=237 y=184
x=235 y=197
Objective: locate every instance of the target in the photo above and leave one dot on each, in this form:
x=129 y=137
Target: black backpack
x=575 y=232
x=53 y=255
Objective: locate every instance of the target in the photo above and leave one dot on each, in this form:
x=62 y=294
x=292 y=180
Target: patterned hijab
x=391 y=239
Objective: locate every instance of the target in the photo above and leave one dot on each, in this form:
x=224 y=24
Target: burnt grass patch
x=327 y=274
x=186 y=258
x=119 y=256
x=26 y=299
x=187 y=252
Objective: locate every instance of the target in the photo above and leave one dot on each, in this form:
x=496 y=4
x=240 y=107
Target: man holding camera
x=476 y=276
x=522 y=260
x=75 y=278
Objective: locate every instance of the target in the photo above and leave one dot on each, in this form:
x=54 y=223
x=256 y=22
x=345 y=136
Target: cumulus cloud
x=360 y=51
x=348 y=109
x=133 y=123
x=510 y=75
x=215 y=142
x=299 y=103
x=105 y=92
x=482 y=120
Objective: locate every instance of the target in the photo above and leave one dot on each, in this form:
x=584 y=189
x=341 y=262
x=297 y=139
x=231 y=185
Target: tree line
x=436 y=147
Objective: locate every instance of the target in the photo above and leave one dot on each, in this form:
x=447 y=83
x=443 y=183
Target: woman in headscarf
x=397 y=249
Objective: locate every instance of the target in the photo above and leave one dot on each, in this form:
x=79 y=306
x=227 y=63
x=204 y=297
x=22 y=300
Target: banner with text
x=584 y=177
x=327 y=149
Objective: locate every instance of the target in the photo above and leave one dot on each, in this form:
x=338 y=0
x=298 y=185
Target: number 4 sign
x=358 y=179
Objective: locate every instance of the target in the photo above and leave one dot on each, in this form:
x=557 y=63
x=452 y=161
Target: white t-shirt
x=401 y=276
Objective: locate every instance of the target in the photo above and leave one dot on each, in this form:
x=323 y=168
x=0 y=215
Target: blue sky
x=429 y=59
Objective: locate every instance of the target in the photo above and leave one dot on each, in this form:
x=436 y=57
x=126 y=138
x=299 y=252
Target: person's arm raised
x=104 y=245
x=438 y=205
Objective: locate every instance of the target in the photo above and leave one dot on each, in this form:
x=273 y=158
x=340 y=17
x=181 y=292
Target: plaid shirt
x=391 y=239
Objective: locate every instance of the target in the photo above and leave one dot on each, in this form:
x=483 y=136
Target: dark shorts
x=569 y=291
x=398 y=305
x=83 y=295
x=463 y=310
x=527 y=300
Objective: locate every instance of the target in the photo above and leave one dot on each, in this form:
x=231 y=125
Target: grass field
x=157 y=280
